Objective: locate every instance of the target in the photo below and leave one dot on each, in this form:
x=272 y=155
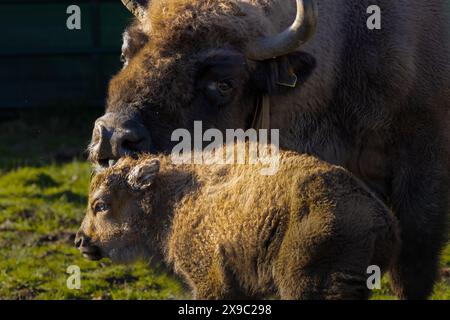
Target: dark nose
x=81 y=240
x=116 y=135
x=129 y=142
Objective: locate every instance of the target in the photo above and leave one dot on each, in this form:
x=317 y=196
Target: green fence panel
x=44 y=64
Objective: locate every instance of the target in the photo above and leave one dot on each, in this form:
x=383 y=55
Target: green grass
x=42 y=202
x=41 y=210
x=43 y=186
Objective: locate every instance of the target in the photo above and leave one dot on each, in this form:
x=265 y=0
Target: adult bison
x=374 y=101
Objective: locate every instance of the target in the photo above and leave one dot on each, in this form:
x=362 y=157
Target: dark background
x=43 y=64
x=53 y=80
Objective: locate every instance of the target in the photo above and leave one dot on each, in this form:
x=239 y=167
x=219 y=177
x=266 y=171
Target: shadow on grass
x=39 y=137
x=42 y=180
x=65 y=196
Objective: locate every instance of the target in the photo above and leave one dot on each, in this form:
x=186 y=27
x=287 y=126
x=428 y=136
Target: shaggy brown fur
x=376 y=103
x=308 y=232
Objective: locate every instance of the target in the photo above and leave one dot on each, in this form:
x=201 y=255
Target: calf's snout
x=81 y=240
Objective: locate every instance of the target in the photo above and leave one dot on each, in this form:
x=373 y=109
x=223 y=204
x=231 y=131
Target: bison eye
x=100 y=207
x=224 y=87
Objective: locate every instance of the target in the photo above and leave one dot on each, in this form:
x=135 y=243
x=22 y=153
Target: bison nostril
x=130 y=145
x=81 y=240
x=104 y=163
x=78 y=241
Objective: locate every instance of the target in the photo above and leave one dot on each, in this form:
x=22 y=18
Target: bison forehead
x=163 y=82
x=163 y=72
x=111 y=177
x=193 y=23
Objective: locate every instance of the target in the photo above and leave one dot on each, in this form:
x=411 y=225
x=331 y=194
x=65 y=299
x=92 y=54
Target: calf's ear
x=143 y=174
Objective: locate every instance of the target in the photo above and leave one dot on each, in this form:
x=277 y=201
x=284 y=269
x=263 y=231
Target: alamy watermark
x=73 y=282
x=374 y=21
x=252 y=147
x=73 y=22
x=374 y=280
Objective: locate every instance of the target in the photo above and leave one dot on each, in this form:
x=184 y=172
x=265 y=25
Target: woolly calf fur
x=308 y=232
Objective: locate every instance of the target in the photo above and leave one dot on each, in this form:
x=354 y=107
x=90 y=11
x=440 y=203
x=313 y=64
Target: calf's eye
x=100 y=207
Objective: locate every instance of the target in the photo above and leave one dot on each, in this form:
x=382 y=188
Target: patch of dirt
x=445 y=273
x=67 y=195
x=67 y=237
x=48 y=253
x=24 y=292
x=26 y=214
x=19 y=238
x=7 y=225
x=122 y=280
x=104 y=296
x=154 y=286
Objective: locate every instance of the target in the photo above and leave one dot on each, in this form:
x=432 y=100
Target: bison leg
x=320 y=284
x=208 y=282
x=214 y=280
x=420 y=199
x=334 y=267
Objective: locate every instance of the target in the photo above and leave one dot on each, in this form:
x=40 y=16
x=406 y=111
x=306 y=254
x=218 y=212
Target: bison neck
x=339 y=119
x=171 y=186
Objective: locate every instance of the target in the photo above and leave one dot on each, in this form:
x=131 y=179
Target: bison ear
x=289 y=71
x=143 y=174
x=302 y=64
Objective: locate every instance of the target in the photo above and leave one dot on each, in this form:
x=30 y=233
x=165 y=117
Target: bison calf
x=308 y=232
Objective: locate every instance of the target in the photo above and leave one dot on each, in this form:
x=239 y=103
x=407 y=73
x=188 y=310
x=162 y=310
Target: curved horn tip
x=300 y=31
x=137 y=8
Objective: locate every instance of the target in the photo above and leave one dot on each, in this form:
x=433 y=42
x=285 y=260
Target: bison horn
x=289 y=40
x=137 y=8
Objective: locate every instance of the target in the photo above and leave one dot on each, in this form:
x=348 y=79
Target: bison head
x=120 y=223
x=202 y=60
